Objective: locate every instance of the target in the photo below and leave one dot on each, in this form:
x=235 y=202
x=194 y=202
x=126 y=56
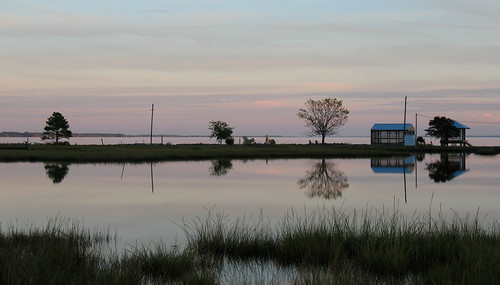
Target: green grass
x=151 y=153
x=322 y=247
x=65 y=253
x=372 y=246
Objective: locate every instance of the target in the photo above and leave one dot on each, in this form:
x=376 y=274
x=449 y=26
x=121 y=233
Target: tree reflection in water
x=56 y=171
x=220 y=167
x=444 y=170
x=324 y=180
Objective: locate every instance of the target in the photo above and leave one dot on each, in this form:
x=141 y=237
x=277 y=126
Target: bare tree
x=324 y=117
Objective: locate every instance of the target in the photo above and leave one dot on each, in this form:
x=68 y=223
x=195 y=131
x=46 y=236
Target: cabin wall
x=387 y=137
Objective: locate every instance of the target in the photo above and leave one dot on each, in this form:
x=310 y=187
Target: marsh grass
x=65 y=253
x=326 y=246
x=371 y=245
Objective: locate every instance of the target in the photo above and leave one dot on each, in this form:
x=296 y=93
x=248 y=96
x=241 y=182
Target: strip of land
x=153 y=153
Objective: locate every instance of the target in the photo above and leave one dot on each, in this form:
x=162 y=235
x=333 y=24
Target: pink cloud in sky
x=250 y=114
x=250 y=63
x=323 y=87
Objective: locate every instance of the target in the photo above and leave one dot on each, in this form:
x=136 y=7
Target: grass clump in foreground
x=323 y=247
x=65 y=253
x=330 y=247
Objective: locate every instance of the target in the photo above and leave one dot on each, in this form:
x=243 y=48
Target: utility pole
x=404 y=123
x=151 y=137
x=416 y=128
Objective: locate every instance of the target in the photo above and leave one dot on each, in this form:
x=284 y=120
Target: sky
x=253 y=64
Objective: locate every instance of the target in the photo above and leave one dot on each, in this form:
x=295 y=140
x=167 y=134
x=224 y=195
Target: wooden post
x=416 y=128
x=404 y=122
x=151 y=136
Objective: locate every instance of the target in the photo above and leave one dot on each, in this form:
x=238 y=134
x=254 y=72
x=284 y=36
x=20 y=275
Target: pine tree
x=56 y=127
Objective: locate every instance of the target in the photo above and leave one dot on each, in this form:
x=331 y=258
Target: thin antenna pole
x=151 y=136
x=404 y=123
x=416 y=129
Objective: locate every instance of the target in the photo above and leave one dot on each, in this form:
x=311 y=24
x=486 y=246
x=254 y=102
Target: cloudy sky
x=250 y=63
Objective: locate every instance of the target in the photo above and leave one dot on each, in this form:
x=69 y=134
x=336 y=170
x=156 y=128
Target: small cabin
x=461 y=139
x=393 y=134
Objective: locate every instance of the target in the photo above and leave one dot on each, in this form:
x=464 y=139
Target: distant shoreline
x=120 y=135
x=85 y=135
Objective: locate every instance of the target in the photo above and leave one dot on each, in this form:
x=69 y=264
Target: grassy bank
x=324 y=247
x=147 y=153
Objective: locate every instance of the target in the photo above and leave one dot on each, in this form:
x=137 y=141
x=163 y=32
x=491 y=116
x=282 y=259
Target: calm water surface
x=147 y=202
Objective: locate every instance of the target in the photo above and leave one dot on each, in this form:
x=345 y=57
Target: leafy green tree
x=443 y=129
x=220 y=130
x=56 y=127
x=324 y=117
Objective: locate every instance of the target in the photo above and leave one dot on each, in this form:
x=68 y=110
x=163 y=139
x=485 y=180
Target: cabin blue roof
x=389 y=127
x=459 y=172
x=389 y=169
x=460 y=125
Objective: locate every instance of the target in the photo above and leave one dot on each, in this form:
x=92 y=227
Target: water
x=148 y=202
x=186 y=140
x=477 y=141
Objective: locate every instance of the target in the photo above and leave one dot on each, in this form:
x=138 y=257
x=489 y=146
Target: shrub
x=248 y=140
x=230 y=141
x=420 y=141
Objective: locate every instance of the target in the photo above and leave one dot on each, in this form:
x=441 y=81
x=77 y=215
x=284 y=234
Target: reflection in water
x=151 y=171
x=393 y=164
x=152 y=179
x=220 y=167
x=56 y=171
x=324 y=180
x=448 y=167
x=420 y=157
x=184 y=191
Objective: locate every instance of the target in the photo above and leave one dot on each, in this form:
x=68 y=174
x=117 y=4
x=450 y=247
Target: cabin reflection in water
x=448 y=167
x=393 y=164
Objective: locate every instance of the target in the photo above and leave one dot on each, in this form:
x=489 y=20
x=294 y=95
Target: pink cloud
x=324 y=86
